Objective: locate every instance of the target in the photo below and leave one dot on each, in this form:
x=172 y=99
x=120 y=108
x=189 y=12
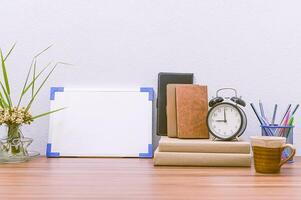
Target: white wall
x=254 y=46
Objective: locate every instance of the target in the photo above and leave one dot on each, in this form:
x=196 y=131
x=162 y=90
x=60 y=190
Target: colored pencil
x=291 y=122
x=296 y=108
x=288 y=108
x=285 y=123
x=274 y=114
x=262 y=110
x=259 y=119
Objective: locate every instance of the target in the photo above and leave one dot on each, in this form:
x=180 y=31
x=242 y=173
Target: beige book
x=202 y=159
x=171 y=110
x=167 y=144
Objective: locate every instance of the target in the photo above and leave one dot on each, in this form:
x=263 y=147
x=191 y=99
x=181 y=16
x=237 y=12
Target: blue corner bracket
x=50 y=154
x=151 y=93
x=53 y=90
x=149 y=154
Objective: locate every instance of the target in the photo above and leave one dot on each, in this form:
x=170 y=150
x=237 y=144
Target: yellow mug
x=267 y=151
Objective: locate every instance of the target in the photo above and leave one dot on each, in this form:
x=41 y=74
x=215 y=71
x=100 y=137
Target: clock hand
x=225 y=117
x=220 y=120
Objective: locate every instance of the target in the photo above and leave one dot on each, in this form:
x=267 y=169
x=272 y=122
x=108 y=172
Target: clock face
x=224 y=120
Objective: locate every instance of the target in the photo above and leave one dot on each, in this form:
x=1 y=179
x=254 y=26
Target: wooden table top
x=118 y=178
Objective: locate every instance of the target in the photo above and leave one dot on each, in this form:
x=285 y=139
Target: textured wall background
x=254 y=46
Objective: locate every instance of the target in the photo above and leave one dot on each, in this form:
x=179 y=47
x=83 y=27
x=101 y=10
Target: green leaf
x=33 y=77
x=2 y=105
x=4 y=74
x=26 y=80
x=37 y=76
x=6 y=95
x=47 y=113
x=28 y=74
x=11 y=49
x=43 y=51
x=47 y=77
x=5 y=105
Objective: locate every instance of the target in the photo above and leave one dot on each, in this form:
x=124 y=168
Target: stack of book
x=202 y=152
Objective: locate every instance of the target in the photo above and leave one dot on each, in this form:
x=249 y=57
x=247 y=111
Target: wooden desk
x=86 y=178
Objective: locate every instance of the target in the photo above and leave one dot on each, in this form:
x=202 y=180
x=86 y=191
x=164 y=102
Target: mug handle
x=293 y=152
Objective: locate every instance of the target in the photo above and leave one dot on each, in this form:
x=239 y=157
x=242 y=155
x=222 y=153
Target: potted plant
x=13 y=148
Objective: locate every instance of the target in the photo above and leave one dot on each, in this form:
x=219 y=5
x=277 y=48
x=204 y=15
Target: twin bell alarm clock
x=226 y=119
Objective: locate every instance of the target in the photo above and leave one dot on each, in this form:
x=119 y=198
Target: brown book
x=167 y=144
x=202 y=159
x=192 y=109
x=171 y=110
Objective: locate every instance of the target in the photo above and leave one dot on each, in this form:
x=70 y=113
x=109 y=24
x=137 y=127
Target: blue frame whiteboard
x=101 y=123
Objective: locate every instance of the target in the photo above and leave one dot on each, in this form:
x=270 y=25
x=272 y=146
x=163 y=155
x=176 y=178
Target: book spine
x=171 y=110
x=205 y=148
x=202 y=159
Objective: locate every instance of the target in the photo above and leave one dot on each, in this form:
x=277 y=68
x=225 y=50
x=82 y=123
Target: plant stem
x=13 y=133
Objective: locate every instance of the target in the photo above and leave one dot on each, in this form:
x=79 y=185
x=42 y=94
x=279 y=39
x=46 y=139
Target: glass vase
x=14 y=148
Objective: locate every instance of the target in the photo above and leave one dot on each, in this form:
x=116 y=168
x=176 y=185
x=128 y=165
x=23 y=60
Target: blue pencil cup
x=281 y=131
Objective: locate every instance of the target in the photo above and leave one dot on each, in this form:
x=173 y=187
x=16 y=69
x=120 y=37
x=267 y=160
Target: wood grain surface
x=118 y=178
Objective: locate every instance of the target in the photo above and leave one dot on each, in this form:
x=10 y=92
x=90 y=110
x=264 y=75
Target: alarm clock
x=226 y=119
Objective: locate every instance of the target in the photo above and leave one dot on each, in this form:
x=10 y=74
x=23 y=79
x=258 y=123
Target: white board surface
x=101 y=123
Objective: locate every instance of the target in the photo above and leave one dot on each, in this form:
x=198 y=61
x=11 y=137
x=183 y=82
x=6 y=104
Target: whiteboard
x=100 y=123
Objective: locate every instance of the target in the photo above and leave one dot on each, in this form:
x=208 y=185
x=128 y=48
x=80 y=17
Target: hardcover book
x=167 y=144
x=192 y=109
x=165 y=78
x=171 y=110
x=202 y=159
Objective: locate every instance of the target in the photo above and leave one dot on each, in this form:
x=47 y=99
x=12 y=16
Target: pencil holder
x=281 y=131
